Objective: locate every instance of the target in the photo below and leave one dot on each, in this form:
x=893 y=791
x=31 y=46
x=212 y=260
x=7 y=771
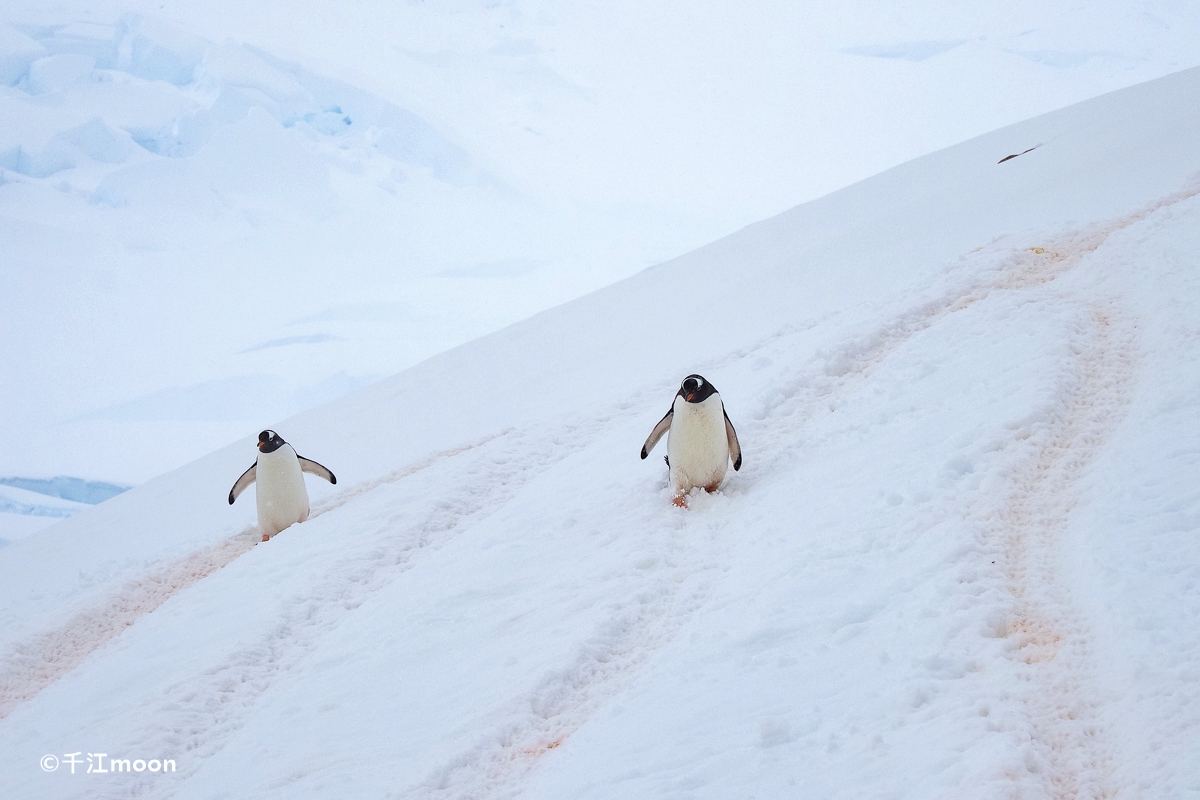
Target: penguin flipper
x=313 y=468
x=662 y=427
x=735 y=449
x=241 y=483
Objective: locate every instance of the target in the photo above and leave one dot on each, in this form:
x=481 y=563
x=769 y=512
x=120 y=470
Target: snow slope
x=959 y=560
x=215 y=215
x=27 y=506
x=23 y=512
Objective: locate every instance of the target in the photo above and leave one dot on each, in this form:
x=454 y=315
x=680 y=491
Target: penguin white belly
x=697 y=446
x=281 y=494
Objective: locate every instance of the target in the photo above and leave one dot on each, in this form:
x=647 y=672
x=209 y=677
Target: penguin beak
x=690 y=396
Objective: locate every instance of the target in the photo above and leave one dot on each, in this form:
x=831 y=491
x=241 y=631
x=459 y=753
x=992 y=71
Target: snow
x=28 y=505
x=181 y=183
x=15 y=500
x=960 y=558
x=67 y=488
x=24 y=512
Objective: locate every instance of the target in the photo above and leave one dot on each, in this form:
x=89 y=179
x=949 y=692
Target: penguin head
x=695 y=389
x=270 y=441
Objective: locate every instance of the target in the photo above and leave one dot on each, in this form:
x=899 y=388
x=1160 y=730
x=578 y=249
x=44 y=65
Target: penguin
x=282 y=498
x=702 y=439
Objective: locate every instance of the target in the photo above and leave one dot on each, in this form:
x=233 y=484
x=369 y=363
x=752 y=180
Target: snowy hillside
x=23 y=512
x=216 y=215
x=27 y=506
x=960 y=559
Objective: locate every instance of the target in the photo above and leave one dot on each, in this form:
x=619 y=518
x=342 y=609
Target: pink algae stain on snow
x=37 y=663
x=1051 y=641
x=542 y=749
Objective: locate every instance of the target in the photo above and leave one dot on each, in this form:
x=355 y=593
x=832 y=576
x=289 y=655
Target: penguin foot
x=681 y=501
x=266 y=538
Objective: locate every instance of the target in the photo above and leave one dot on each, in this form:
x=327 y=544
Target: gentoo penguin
x=702 y=438
x=282 y=498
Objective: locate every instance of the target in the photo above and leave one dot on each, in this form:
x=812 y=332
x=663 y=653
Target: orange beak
x=690 y=396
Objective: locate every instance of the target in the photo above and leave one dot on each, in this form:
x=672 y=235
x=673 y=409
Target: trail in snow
x=1068 y=752
x=1001 y=269
x=353 y=492
x=41 y=660
x=1051 y=642
x=537 y=722
x=37 y=662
